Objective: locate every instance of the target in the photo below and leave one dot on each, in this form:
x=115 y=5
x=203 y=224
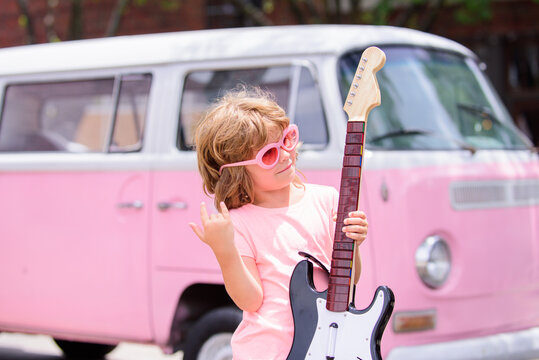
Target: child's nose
x=283 y=154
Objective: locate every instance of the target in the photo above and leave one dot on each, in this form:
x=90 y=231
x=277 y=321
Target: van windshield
x=433 y=100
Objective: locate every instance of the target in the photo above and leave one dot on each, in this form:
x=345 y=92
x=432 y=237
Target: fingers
x=198 y=231
x=356 y=226
x=357 y=214
x=356 y=218
x=203 y=213
x=358 y=238
x=224 y=210
x=206 y=218
x=211 y=223
x=355 y=231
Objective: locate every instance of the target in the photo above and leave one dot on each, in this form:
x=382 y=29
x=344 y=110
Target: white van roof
x=207 y=45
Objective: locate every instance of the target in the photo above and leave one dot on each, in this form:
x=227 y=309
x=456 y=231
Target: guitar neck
x=363 y=95
x=340 y=276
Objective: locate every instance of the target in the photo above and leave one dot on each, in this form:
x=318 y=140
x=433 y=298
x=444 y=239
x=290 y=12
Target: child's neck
x=279 y=198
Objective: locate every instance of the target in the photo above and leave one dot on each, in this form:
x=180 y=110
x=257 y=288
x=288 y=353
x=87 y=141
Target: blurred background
x=503 y=33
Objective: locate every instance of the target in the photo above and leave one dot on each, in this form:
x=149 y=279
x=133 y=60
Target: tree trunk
x=75 y=25
x=116 y=17
x=296 y=10
x=252 y=12
x=355 y=11
x=432 y=15
x=29 y=25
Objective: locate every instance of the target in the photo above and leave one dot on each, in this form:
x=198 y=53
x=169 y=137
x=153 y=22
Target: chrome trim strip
x=488 y=194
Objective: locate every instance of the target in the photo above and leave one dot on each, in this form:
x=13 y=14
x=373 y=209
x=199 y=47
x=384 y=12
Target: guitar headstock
x=364 y=93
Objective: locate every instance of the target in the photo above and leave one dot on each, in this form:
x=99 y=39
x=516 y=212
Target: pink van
x=98 y=181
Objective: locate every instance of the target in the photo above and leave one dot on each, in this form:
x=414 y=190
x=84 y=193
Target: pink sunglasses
x=268 y=156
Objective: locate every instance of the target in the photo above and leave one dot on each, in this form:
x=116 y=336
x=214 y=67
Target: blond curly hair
x=235 y=127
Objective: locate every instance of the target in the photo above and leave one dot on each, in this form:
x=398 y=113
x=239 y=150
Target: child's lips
x=286 y=168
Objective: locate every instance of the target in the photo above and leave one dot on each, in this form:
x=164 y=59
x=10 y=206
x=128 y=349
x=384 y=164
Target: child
x=246 y=156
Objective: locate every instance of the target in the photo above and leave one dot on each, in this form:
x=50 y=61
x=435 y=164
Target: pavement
x=40 y=347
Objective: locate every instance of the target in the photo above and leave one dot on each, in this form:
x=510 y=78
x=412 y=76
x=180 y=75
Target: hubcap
x=217 y=347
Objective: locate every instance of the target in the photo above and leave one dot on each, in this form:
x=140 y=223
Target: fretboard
x=343 y=247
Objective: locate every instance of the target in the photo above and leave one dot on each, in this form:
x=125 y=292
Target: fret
x=350 y=172
x=354 y=138
x=353 y=149
x=339 y=280
x=339 y=289
x=350 y=183
x=343 y=254
x=337 y=299
x=340 y=263
x=340 y=298
x=347 y=208
x=345 y=245
x=351 y=160
x=341 y=238
x=343 y=272
x=355 y=126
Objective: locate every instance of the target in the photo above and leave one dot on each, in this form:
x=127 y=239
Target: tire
x=81 y=350
x=209 y=338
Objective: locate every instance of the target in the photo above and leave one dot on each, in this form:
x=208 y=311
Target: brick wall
x=147 y=18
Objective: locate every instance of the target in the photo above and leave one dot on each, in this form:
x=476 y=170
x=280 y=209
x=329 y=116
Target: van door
x=74 y=190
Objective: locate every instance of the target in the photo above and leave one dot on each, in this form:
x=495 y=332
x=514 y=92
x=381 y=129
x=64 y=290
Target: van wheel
x=82 y=350
x=209 y=338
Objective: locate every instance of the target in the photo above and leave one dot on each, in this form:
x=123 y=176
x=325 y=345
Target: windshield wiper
x=398 y=133
x=487 y=114
x=412 y=132
x=483 y=111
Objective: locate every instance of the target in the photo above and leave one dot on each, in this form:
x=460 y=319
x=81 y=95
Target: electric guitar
x=326 y=324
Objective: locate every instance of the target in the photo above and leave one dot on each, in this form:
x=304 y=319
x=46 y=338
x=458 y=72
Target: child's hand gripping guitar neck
x=326 y=324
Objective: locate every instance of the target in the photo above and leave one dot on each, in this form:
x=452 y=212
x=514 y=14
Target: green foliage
x=474 y=11
x=167 y=5
x=467 y=11
x=23 y=21
x=268 y=6
x=380 y=14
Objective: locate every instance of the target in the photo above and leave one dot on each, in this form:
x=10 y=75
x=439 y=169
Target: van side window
x=74 y=116
x=131 y=113
x=292 y=86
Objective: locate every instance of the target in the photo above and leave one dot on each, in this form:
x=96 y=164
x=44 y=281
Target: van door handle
x=163 y=206
x=137 y=204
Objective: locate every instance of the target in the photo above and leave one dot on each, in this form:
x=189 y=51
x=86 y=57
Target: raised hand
x=217 y=230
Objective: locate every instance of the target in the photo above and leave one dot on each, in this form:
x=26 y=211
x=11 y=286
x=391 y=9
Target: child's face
x=279 y=176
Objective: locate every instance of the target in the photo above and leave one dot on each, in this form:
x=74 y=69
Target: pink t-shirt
x=273 y=237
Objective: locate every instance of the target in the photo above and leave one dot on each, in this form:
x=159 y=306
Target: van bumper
x=513 y=345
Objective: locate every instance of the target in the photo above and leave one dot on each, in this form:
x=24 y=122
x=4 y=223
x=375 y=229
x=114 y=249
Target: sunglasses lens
x=290 y=140
x=270 y=156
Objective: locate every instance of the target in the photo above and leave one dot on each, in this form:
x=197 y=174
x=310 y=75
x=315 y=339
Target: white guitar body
x=346 y=335
x=329 y=335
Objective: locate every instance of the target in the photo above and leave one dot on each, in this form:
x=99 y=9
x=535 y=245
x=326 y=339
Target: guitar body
x=355 y=334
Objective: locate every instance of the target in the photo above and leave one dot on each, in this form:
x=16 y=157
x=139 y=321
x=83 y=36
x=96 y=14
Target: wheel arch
x=194 y=302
